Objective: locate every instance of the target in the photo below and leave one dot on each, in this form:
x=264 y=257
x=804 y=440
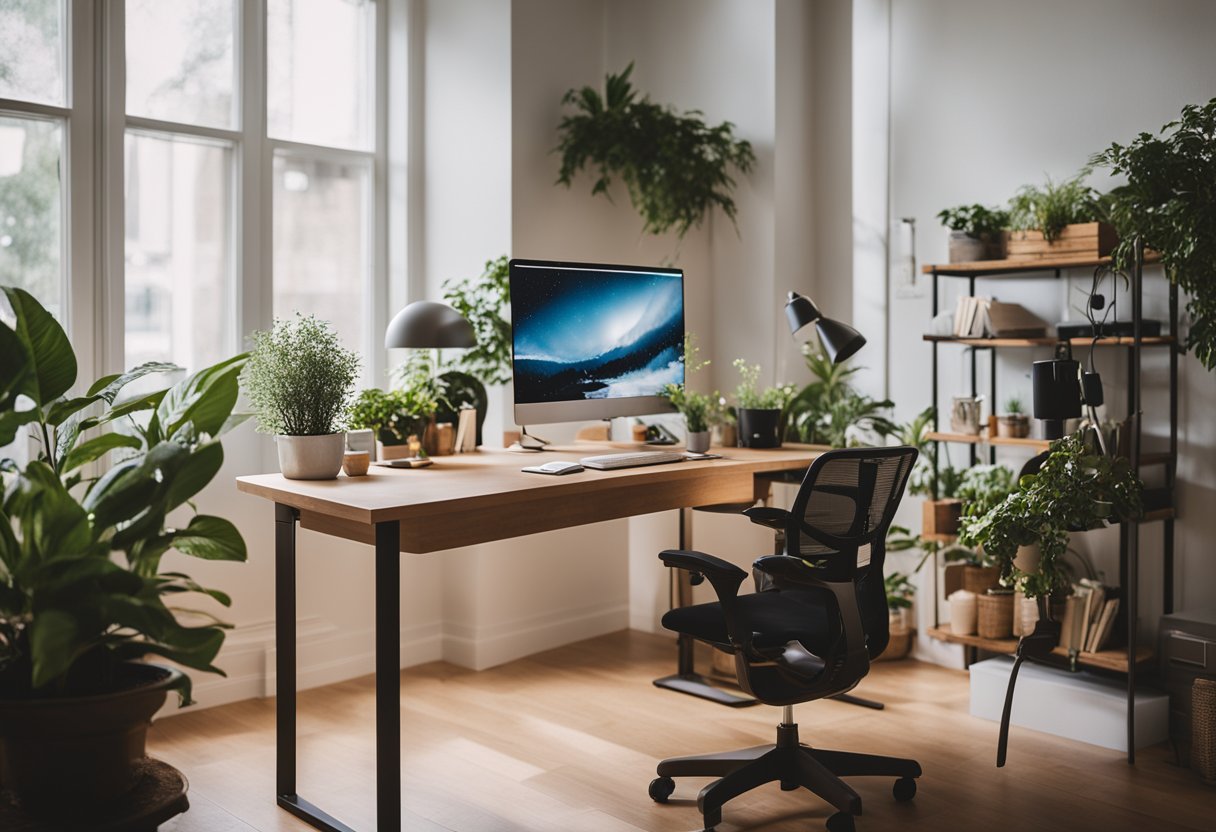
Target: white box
x=1078 y=706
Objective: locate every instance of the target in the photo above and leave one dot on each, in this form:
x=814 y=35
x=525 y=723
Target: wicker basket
x=899 y=646
x=995 y=613
x=1203 y=729
x=979 y=579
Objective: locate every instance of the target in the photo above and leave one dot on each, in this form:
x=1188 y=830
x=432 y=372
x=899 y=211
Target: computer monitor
x=593 y=341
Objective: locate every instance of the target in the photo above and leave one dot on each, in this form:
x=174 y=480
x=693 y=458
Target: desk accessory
x=557 y=468
x=355 y=463
x=407 y=462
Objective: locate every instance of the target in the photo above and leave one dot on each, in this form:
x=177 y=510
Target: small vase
x=697 y=441
x=311 y=457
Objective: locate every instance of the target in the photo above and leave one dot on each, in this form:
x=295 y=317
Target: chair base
x=791 y=764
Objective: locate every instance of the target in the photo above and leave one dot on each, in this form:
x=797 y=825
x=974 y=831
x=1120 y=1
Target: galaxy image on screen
x=595 y=334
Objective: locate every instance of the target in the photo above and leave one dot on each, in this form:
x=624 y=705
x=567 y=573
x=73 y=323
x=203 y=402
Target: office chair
x=810 y=636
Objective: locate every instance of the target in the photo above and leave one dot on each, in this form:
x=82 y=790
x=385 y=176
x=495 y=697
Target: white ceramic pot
x=963 y=613
x=311 y=457
x=697 y=441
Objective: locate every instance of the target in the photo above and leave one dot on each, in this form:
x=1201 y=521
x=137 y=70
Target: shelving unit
x=1159 y=503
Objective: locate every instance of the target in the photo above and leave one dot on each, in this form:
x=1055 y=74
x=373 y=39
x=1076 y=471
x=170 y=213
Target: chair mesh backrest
x=852 y=495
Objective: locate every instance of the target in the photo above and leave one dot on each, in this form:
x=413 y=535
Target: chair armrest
x=725 y=577
x=789 y=568
x=774 y=518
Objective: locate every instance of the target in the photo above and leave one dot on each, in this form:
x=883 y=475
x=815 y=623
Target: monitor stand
x=528 y=443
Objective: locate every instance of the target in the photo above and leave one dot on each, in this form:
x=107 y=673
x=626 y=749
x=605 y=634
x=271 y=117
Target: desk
x=460 y=501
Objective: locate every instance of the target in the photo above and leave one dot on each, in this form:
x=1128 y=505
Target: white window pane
x=320 y=57
x=31 y=208
x=31 y=51
x=321 y=243
x=179 y=251
x=181 y=62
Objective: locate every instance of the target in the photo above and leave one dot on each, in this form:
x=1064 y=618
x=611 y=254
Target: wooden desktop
x=460 y=501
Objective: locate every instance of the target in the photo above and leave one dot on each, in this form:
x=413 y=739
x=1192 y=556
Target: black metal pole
x=1131 y=591
x=388 y=676
x=285 y=649
x=1171 y=465
x=972 y=452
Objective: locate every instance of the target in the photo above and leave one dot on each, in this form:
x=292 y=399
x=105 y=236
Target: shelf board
x=1110 y=341
x=1010 y=268
x=1105 y=659
x=1157 y=458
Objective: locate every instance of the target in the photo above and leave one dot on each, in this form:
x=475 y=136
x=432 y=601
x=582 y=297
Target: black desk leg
x=388 y=677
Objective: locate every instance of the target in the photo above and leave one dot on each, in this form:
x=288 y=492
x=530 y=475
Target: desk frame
x=396 y=528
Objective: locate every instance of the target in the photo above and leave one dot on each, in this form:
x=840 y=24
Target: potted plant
x=299 y=378
x=1075 y=489
x=900 y=592
x=424 y=394
x=698 y=409
x=395 y=416
x=1013 y=423
x=1059 y=219
x=83 y=592
x=976 y=232
x=759 y=410
x=1168 y=202
x=675 y=166
x=829 y=411
x=942 y=509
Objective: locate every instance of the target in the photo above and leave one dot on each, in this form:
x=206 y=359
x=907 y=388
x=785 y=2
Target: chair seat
x=776 y=617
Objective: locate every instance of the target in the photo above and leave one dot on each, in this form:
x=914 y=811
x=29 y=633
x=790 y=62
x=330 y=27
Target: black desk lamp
x=840 y=341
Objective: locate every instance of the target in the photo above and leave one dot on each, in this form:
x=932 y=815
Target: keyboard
x=633 y=459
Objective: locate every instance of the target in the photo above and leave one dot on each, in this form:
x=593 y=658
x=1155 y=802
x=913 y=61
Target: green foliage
x=900 y=591
x=750 y=396
x=299 y=378
x=1013 y=405
x=1075 y=489
x=1169 y=202
x=700 y=410
x=982 y=487
x=71 y=612
x=482 y=301
x=822 y=412
x=1053 y=206
x=674 y=165
x=394 y=415
x=975 y=220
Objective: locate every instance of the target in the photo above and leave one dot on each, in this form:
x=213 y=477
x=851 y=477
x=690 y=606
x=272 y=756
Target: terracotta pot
x=66 y=754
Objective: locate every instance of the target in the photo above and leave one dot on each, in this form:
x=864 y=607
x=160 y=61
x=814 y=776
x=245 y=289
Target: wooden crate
x=941 y=516
x=1089 y=240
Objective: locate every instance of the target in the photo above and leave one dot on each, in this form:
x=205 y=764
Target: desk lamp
x=840 y=341
x=426 y=324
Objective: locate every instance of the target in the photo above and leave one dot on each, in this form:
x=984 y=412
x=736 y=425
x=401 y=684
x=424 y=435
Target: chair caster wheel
x=661 y=789
x=841 y=822
x=904 y=789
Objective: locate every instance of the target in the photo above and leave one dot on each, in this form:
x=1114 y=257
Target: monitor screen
x=593 y=341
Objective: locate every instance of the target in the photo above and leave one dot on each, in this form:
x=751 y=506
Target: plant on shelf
x=1054 y=205
x=1169 y=202
x=830 y=411
x=759 y=410
x=1013 y=423
x=698 y=409
x=675 y=166
x=981 y=487
x=299 y=379
x=1076 y=488
x=84 y=592
x=976 y=231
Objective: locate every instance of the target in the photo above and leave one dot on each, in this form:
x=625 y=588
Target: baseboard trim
x=479 y=648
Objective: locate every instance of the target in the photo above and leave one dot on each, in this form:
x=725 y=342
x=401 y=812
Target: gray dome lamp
x=428 y=324
x=840 y=341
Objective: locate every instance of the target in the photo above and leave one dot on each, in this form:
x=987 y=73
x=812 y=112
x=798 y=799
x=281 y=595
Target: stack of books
x=982 y=317
x=1089 y=617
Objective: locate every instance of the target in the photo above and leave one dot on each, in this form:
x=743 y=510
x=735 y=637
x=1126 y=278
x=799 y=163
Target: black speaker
x=1057 y=394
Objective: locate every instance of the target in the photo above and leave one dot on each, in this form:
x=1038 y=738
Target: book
x=466 y=431
x=1070 y=624
x=1105 y=626
x=1012 y=320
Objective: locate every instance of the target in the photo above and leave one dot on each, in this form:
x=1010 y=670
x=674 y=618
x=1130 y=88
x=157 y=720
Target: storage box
x=941 y=516
x=1076 y=706
x=1082 y=241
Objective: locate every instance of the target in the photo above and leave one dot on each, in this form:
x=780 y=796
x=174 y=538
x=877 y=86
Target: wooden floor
x=567 y=741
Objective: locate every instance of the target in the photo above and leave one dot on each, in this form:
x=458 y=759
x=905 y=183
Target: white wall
x=987 y=95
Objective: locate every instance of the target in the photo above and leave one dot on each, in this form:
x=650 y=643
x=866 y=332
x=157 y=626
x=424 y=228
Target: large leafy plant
x=1169 y=202
x=1076 y=488
x=824 y=410
x=483 y=301
x=299 y=377
x=81 y=586
x=676 y=167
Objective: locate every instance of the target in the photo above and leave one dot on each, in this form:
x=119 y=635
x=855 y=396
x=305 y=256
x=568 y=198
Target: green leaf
x=108 y=387
x=97 y=447
x=14 y=367
x=11 y=421
x=48 y=350
x=64 y=408
x=54 y=639
x=193 y=474
x=210 y=538
x=204 y=399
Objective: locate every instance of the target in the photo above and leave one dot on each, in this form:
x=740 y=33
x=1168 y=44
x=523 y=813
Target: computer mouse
x=557 y=467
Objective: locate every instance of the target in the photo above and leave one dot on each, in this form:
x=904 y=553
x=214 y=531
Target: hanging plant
x=674 y=165
x=1169 y=201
